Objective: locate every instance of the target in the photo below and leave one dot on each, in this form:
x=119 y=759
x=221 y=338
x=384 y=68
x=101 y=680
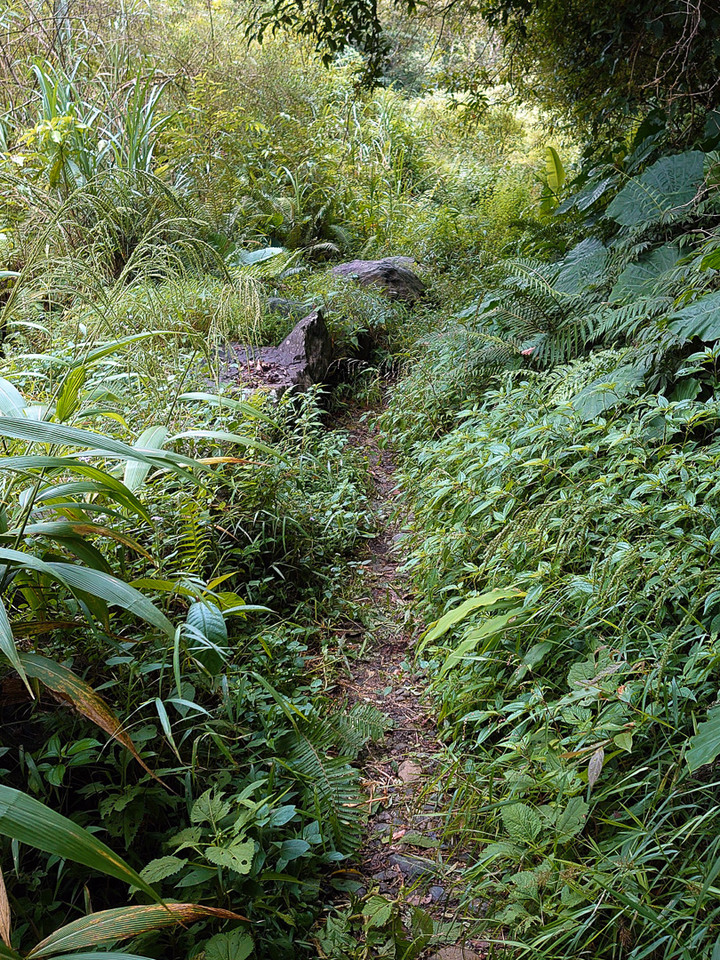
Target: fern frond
x=318 y=751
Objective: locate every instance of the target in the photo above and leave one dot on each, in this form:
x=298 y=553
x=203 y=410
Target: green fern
x=318 y=751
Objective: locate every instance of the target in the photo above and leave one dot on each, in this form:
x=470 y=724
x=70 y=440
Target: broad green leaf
x=624 y=741
x=235 y=945
x=572 y=819
x=248 y=258
x=27 y=820
x=554 y=170
x=210 y=807
x=162 y=868
x=12 y=402
x=589 y=195
x=81 y=696
x=206 y=617
x=106 y=926
x=490 y=628
x=293 y=848
x=700 y=319
x=136 y=471
x=642 y=278
x=663 y=193
x=377 y=911
x=608 y=391
x=704 y=747
x=582 y=267
x=441 y=626
x=522 y=823
x=237 y=856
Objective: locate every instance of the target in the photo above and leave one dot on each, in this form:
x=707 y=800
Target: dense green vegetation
x=180 y=556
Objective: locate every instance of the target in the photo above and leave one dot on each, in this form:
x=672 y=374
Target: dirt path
x=413 y=853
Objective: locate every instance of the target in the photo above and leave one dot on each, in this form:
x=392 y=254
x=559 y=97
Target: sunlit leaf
x=107 y=926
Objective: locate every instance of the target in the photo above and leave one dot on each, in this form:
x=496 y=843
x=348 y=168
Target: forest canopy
x=593 y=62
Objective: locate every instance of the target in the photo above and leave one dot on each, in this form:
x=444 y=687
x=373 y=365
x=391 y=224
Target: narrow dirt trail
x=410 y=854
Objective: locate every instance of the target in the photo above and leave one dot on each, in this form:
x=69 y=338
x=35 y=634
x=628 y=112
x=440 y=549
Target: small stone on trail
x=412 y=867
x=437 y=893
x=409 y=771
x=455 y=953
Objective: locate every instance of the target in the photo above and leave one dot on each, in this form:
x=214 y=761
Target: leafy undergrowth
x=564 y=543
x=180 y=558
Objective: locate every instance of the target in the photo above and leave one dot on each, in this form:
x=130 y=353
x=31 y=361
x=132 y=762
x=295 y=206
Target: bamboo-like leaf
x=107 y=926
x=98 y=584
x=241 y=405
x=12 y=402
x=135 y=471
x=40 y=431
x=5 y=918
x=68 y=401
x=109 y=348
x=7 y=954
x=107 y=484
x=82 y=697
x=61 y=529
x=8 y=648
x=487 y=630
x=457 y=614
x=166 y=725
x=231 y=438
x=101 y=955
x=113 y=591
x=27 y=820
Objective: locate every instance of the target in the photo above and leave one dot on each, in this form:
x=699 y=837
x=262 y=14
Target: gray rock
x=412 y=867
x=303 y=358
x=436 y=892
x=409 y=771
x=455 y=953
x=393 y=275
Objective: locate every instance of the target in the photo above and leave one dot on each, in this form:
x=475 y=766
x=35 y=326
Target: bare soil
x=409 y=853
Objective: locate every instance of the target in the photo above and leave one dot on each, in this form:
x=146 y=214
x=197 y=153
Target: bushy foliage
x=561 y=478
